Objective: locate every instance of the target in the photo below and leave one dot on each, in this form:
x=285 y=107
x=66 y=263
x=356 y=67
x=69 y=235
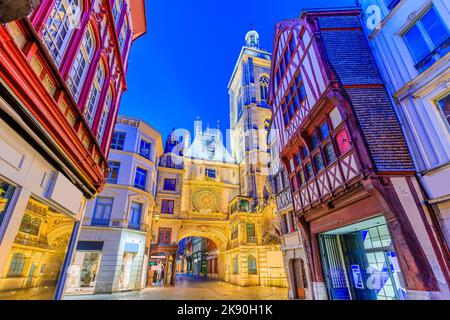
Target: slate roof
x=350 y=57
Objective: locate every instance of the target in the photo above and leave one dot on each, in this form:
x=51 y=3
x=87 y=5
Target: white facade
x=417 y=90
x=112 y=251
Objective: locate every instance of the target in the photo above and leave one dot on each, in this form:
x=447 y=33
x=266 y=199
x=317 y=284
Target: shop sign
x=357 y=277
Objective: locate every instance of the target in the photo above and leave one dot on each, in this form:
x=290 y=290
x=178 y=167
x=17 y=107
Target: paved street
x=188 y=289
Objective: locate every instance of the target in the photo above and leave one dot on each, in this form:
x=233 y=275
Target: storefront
x=157 y=269
x=359 y=262
x=83 y=273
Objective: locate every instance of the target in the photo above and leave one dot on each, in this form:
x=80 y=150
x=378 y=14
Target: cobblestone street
x=189 y=289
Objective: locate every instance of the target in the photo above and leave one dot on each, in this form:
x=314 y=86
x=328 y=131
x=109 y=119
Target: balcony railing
x=434 y=56
x=252 y=239
x=134 y=226
x=100 y=222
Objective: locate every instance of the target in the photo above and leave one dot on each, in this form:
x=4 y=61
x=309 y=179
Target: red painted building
x=62 y=75
x=367 y=232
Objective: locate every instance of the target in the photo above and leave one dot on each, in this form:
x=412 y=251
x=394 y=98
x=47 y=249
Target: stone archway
x=215 y=233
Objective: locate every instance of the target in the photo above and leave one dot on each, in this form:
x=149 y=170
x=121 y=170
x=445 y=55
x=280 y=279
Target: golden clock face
x=205 y=201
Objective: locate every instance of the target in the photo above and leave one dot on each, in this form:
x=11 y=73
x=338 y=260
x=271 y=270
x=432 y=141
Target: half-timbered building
x=358 y=203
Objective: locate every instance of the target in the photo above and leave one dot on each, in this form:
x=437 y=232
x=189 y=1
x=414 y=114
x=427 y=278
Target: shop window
x=444 y=105
x=113 y=175
x=164 y=235
x=37 y=258
x=102 y=211
x=6 y=193
x=135 y=216
x=343 y=142
x=167 y=206
x=145 y=149
x=318 y=161
x=428 y=39
x=309 y=171
x=329 y=153
x=170 y=184
x=252 y=265
x=118 y=140
x=140 y=180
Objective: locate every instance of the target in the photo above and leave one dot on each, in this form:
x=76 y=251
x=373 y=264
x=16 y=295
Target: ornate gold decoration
x=205 y=201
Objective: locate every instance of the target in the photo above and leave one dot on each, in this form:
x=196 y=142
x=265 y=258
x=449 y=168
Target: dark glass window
x=210 y=173
x=140 y=180
x=170 y=184
x=309 y=171
x=314 y=141
x=145 y=149
x=167 y=206
x=329 y=152
x=318 y=161
x=164 y=235
x=324 y=131
x=118 y=140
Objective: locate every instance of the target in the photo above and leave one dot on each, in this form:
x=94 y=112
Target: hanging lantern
x=11 y=10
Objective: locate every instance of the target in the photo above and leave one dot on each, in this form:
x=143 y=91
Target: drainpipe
x=11 y=10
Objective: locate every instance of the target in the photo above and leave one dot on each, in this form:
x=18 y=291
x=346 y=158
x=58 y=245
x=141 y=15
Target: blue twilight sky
x=180 y=69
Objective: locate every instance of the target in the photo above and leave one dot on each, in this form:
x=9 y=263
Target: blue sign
x=357 y=277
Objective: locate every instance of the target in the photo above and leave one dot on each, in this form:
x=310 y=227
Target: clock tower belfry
x=250 y=115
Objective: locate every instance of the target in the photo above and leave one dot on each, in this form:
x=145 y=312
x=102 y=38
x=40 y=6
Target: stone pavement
x=190 y=289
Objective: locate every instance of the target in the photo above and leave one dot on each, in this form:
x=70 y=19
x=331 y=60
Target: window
x=294 y=98
x=210 y=173
x=140 y=180
x=134 y=221
x=164 y=235
x=335 y=118
x=251 y=265
x=58 y=28
x=234 y=231
x=329 y=153
x=324 y=131
x=444 y=105
x=123 y=35
x=264 y=88
x=117 y=10
x=318 y=161
x=343 y=142
x=30 y=225
x=81 y=64
x=251 y=232
x=309 y=171
x=6 y=193
x=94 y=95
x=118 y=140
x=314 y=141
x=170 y=184
x=113 y=176
x=301 y=178
x=167 y=206
x=16 y=266
x=428 y=39
x=104 y=117
x=236 y=265
x=102 y=211
x=145 y=149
